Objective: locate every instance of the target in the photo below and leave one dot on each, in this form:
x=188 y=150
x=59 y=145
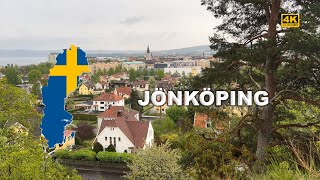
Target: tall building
x=148 y=55
x=52 y=58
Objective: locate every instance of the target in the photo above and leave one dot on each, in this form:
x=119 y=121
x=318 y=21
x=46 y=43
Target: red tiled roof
x=135 y=131
x=108 y=97
x=136 y=83
x=103 y=83
x=123 y=91
x=139 y=130
x=112 y=112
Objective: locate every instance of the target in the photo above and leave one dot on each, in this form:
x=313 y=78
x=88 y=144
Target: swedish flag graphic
x=63 y=80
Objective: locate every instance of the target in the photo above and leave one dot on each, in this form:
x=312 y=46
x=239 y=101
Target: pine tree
x=282 y=61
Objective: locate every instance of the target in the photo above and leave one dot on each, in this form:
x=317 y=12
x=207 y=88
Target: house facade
x=86 y=89
x=105 y=100
x=125 y=134
x=68 y=140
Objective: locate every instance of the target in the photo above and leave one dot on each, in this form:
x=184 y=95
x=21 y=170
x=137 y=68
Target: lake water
x=22 y=60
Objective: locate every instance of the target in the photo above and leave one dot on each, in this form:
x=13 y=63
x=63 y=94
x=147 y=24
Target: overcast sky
x=104 y=24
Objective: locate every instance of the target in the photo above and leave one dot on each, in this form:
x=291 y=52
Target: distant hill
x=187 y=51
x=195 y=50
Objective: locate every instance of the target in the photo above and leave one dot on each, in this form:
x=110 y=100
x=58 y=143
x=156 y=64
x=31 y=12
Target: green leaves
x=17 y=106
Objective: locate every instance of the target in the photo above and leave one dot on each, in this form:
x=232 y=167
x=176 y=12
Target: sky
x=104 y=24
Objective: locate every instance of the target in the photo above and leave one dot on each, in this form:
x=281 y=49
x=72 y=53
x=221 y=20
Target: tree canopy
x=256 y=53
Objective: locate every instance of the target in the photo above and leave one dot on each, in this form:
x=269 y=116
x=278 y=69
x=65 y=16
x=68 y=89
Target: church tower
x=148 y=55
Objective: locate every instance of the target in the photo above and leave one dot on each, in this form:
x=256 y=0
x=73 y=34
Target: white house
x=105 y=100
x=116 y=111
x=101 y=85
x=125 y=133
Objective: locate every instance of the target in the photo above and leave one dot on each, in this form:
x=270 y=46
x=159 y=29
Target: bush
x=113 y=157
x=85 y=131
x=87 y=117
x=78 y=140
x=97 y=147
x=62 y=154
x=83 y=155
x=111 y=148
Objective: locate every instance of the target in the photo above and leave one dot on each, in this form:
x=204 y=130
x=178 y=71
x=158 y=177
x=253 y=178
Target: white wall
x=186 y=70
x=150 y=136
x=103 y=105
x=121 y=145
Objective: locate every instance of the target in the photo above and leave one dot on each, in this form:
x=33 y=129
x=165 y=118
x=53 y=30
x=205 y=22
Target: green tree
x=160 y=73
x=111 y=71
x=12 y=76
x=134 y=101
x=175 y=113
x=22 y=157
x=36 y=89
x=145 y=72
x=152 y=83
x=118 y=69
x=132 y=75
x=34 y=76
x=157 y=162
x=282 y=61
x=152 y=72
x=17 y=106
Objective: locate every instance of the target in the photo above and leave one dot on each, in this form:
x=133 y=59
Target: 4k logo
x=290 y=20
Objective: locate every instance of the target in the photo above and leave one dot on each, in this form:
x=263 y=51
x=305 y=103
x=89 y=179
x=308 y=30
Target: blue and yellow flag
x=63 y=80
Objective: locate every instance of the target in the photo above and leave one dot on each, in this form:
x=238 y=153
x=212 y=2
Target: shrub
x=62 y=154
x=83 y=155
x=87 y=117
x=97 y=147
x=85 y=131
x=113 y=157
x=78 y=140
x=111 y=148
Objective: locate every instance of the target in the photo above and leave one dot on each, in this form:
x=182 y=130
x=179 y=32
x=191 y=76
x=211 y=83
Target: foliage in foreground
x=22 y=157
x=156 y=162
x=114 y=157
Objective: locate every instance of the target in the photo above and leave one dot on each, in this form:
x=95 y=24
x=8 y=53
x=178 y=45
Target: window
x=106 y=138
x=112 y=129
x=114 y=143
x=208 y=124
x=119 y=139
x=110 y=140
x=101 y=102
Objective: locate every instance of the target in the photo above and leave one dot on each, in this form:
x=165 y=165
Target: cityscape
x=169 y=90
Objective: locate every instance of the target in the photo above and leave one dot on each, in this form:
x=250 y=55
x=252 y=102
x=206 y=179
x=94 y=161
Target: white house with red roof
x=115 y=111
x=105 y=100
x=124 y=132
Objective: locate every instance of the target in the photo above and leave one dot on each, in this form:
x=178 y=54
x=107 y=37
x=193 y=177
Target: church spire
x=148 y=49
